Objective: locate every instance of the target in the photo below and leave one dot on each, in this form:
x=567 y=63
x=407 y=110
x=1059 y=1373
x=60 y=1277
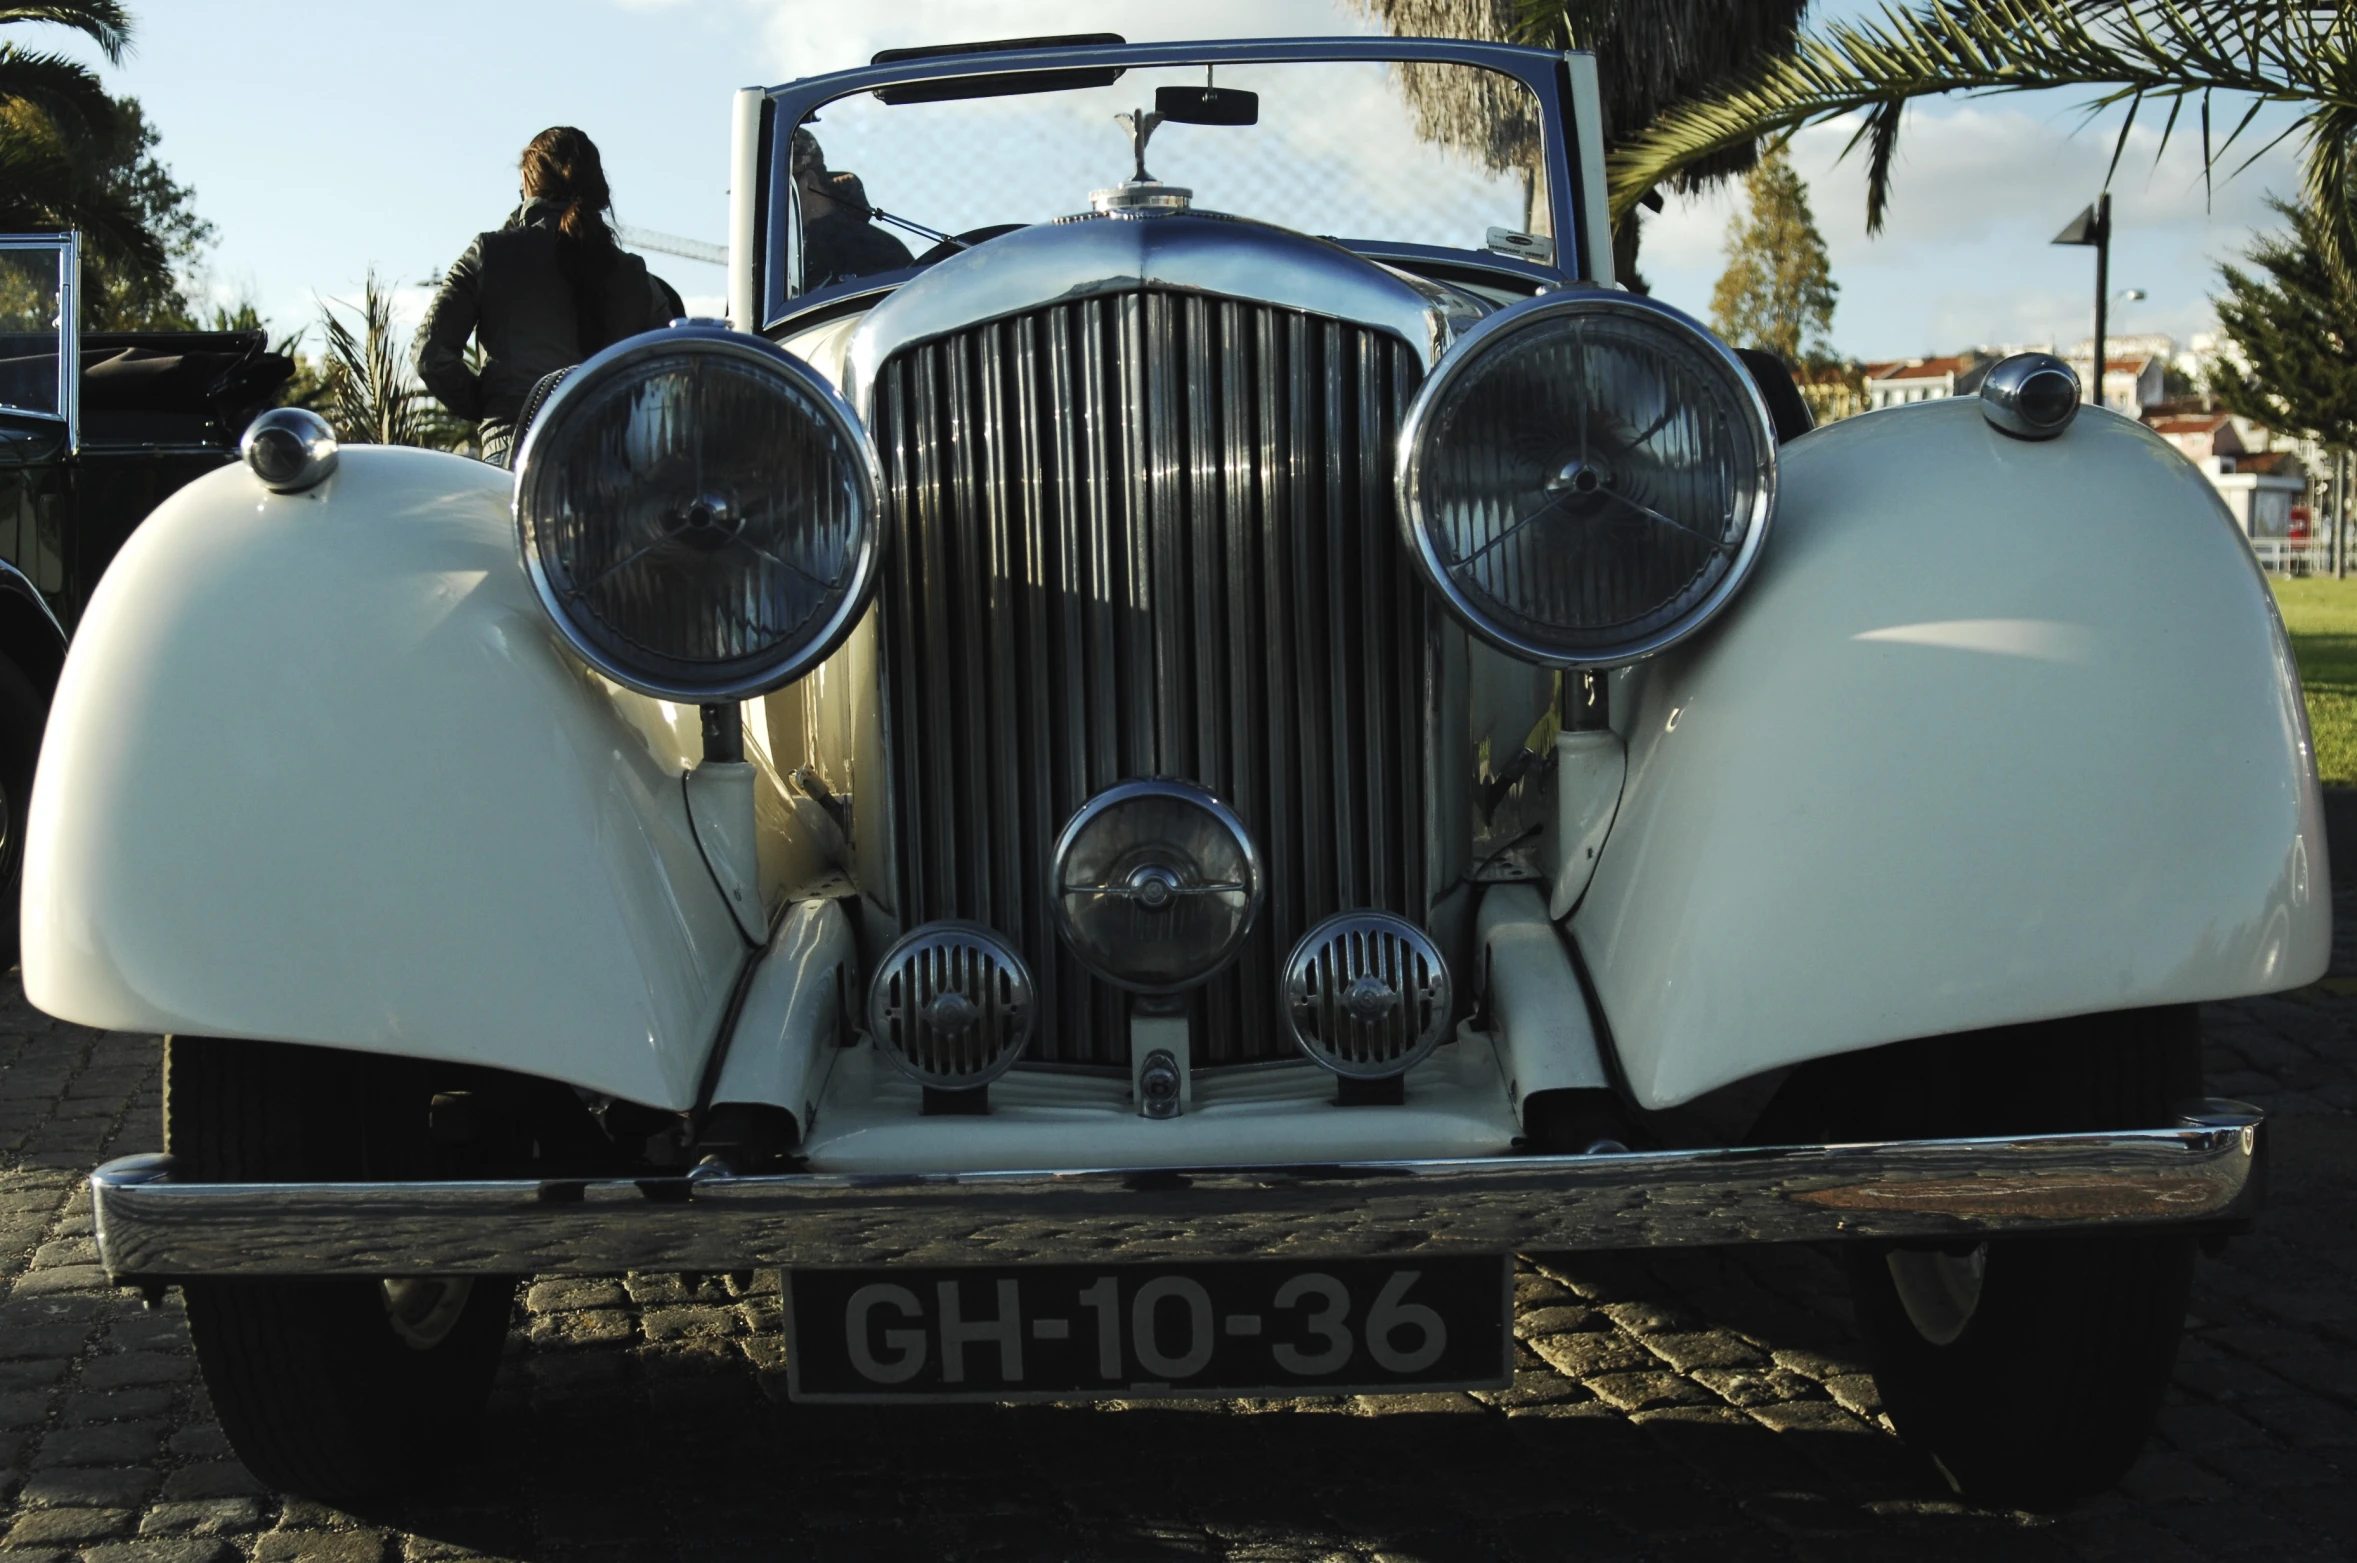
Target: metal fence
x=2293 y=555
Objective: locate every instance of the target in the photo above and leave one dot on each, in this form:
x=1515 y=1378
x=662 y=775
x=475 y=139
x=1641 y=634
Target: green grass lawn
x=2322 y=617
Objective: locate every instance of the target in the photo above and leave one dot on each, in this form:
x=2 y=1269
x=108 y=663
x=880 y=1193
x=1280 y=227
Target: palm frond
x=1880 y=132
x=63 y=90
x=2123 y=51
x=43 y=186
x=2325 y=189
x=1649 y=54
x=373 y=397
x=103 y=22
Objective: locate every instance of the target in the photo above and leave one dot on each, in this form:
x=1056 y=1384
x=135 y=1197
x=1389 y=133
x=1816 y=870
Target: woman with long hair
x=540 y=294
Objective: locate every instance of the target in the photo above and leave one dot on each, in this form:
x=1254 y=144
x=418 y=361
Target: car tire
x=24 y=712
x=2031 y=1370
x=343 y=1388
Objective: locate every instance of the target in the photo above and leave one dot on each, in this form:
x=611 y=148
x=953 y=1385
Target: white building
x=2131 y=381
x=1903 y=380
x=2259 y=486
x=2135 y=369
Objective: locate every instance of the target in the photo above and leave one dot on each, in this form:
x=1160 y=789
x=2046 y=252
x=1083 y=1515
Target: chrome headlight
x=698 y=512
x=1157 y=884
x=1587 y=478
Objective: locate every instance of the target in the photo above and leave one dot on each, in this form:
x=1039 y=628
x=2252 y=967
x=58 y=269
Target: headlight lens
x=1587 y=478
x=1157 y=883
x=697 y=509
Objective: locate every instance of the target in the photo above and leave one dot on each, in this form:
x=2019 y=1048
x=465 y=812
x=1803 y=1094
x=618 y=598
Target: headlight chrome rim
x=1255 y=876
x=1490 y=335
x=594 y=376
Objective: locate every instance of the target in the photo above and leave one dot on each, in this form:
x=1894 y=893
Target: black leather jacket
x=509 y=292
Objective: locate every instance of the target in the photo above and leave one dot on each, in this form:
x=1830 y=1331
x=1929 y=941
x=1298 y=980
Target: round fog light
x=1157 y=883
x=951 y=1004
x=1367 y=994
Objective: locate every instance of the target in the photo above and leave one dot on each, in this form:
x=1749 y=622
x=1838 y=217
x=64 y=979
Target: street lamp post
x=2093 y=227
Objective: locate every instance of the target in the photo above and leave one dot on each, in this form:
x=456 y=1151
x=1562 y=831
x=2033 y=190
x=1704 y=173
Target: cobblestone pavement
x=1701 y=1405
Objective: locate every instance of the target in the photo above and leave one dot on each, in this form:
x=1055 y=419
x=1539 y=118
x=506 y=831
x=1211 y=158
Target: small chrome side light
x=290 y=449
x=1367 y=994
x=952 y=1005
x=2031 y=396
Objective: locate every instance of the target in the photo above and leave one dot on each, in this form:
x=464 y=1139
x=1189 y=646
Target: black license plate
x=1053 y=1332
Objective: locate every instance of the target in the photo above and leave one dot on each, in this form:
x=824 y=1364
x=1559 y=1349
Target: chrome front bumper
x=2204 y=1174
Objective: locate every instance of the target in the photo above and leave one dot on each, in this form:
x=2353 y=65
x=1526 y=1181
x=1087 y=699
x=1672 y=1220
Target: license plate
x=1056 y=1332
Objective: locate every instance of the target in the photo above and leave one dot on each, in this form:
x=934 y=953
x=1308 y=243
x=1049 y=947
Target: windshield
x=1436 y=154
x=31 y=302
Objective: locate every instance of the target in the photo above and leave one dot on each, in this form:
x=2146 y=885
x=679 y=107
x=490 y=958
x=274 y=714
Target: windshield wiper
x=878 y=215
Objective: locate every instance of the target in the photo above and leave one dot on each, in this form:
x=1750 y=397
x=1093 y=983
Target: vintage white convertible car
x=1139 y=796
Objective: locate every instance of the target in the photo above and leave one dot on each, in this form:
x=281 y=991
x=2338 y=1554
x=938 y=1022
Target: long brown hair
x=562 y=165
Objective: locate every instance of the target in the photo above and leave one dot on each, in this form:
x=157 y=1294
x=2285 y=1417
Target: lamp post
x=2093 y=227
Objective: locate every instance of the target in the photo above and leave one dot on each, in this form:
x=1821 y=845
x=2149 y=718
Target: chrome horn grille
x=1152 y=535
x=951 y=1004
x=1367 y=995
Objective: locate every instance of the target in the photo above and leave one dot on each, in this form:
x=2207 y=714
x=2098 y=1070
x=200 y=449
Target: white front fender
x=2001 y=731
x=319 y=771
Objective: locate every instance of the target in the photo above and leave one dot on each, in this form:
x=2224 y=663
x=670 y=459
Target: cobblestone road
x=1706 y=1405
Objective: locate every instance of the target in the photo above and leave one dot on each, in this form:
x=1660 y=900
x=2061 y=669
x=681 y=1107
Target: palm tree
x=1650 y=56
x=2138 y=52
x=55 y=122
x=372 y=396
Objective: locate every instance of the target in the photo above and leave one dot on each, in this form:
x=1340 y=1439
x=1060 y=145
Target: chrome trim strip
x=1539 y=70
x=1109 y=257
x=1595 y=217
x=2205 y=1171
x=744 y=164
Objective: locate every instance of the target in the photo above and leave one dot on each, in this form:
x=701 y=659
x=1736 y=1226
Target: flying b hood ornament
x=1141 y=193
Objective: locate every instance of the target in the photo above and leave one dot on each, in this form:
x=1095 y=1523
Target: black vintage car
x=96 y=429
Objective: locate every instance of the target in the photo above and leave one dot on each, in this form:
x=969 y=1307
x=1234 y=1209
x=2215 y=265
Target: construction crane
x=673 y=244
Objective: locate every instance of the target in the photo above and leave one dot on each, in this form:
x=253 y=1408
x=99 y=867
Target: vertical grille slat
x=1152 y=534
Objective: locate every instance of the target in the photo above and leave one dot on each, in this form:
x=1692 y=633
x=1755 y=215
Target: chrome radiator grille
x=1152 y=534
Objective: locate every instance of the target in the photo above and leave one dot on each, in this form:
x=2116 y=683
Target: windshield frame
x=67 y=247
x=767 y=229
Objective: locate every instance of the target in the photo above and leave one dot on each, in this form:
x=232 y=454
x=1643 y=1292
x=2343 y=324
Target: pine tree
x=1777 y=292
x=2294 y=368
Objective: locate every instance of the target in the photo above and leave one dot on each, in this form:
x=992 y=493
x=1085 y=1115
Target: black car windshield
x=1434 y=154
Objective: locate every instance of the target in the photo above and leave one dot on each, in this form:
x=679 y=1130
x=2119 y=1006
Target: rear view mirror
x=1207 y=105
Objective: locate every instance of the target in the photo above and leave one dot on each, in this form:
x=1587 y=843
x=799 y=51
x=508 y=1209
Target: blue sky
x=322 y=139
